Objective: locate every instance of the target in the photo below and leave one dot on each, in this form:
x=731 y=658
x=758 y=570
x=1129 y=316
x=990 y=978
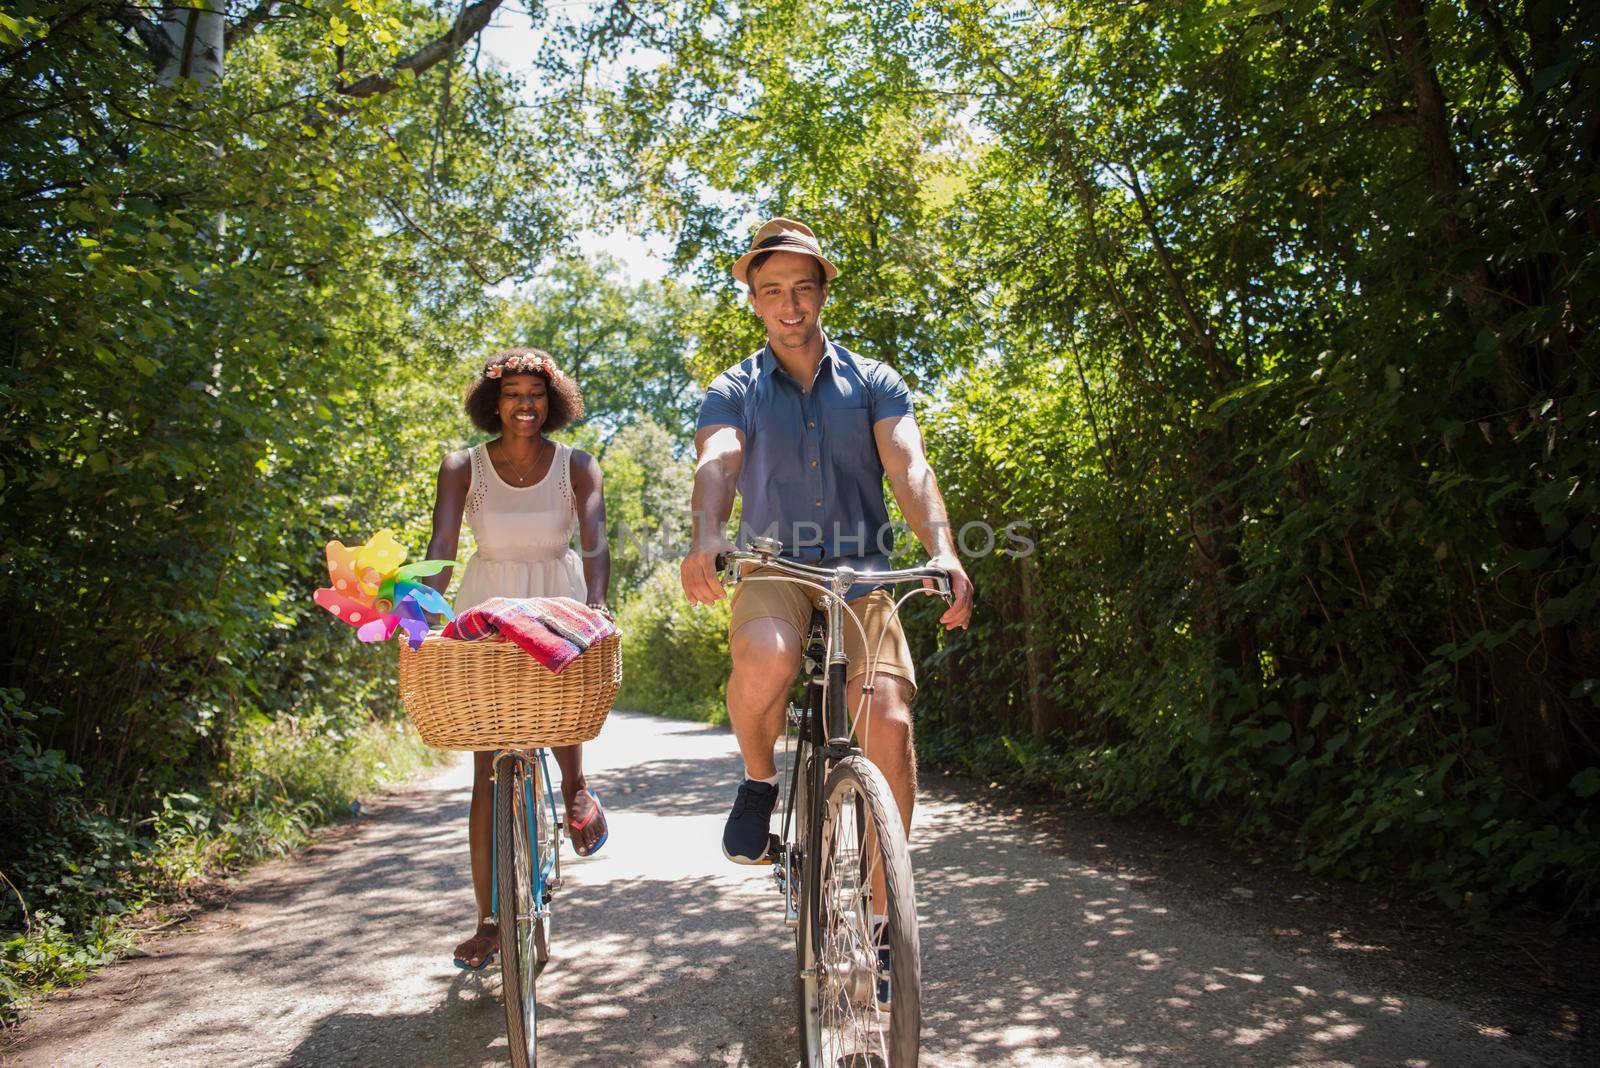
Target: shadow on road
x=672 y=788
x=1026 y=949
x=666 y=955
x=467 y=1027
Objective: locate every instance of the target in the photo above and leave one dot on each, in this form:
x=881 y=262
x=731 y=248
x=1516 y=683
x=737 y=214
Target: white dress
x=524 y=535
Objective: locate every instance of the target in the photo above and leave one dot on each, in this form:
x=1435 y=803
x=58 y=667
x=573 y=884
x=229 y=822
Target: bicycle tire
x=516 y=858
x=799 y=873
x=548 y=827
x=861 y=828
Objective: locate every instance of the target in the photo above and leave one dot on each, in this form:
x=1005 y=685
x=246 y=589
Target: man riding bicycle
x=806 y=430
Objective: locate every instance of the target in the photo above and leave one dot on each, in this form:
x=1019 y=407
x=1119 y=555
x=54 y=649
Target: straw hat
x=783 y=235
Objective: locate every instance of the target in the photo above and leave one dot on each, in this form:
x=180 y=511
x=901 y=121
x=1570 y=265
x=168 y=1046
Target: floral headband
x=522 y=364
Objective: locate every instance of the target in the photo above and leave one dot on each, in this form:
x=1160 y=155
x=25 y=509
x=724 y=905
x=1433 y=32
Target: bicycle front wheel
x=862 y=977
x=799 y=886
x=522 y=856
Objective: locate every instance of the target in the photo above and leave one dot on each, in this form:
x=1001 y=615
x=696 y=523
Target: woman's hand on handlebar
x=699 y=572
x=959 y=613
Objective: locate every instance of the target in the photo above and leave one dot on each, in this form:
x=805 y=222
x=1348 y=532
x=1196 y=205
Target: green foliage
x=845 y=140
x=627 y=345
x=223 y=348
x=1272 y=320
x=674 y=655
x=63 y=869
x=232 y=327
x=647 y=490
x=77 y=875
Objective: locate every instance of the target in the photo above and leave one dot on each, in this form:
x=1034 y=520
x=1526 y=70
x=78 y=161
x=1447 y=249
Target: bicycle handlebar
x=939 y=576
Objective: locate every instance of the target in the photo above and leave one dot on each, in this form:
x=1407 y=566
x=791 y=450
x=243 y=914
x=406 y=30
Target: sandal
x=474 y=949
x=599 y=813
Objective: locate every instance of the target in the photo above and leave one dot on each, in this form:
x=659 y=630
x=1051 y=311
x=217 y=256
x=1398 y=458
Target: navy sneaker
x=748 y=832
x=882 y=939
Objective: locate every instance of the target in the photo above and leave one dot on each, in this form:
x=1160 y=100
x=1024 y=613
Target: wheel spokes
x=527 y=960
x=854 y=1030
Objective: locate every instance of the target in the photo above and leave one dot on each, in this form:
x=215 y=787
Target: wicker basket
x=492 y=695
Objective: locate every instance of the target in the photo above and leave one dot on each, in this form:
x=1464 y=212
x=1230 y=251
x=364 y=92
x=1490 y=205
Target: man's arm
x=716 y=474
x=917 y=492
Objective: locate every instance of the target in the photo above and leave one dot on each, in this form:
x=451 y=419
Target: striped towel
x=553 y=630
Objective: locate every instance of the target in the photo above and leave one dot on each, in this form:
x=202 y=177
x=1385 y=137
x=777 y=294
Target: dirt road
x=1034 y=953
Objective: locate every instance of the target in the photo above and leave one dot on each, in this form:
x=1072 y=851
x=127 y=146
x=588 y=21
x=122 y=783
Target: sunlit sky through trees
x=512 y=41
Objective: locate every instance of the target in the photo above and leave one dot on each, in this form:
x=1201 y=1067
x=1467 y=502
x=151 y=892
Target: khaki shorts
x=793 y=604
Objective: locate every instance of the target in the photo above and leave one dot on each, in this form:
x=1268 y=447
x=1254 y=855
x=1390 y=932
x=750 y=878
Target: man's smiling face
x=788 y=294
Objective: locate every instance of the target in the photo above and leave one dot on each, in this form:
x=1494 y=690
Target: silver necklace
x=516 y=471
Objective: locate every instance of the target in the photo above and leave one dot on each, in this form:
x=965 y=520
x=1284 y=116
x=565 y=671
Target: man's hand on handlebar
x=699 y=572
x=959 y=613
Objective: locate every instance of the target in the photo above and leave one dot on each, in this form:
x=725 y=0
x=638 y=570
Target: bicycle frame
x=825 y=726
x=547 y=876
x=825 y=701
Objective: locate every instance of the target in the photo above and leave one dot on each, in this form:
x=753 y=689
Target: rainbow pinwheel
x=372 y=592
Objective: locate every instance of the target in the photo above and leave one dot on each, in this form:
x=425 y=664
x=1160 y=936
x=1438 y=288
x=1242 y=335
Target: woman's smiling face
x=524 y=404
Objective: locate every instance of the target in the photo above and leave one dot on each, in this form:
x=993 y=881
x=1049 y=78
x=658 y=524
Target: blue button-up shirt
x=811 y=475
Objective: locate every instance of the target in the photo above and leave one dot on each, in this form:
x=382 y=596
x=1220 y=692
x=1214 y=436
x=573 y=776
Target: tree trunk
x=1548 y=726
x=194 y=36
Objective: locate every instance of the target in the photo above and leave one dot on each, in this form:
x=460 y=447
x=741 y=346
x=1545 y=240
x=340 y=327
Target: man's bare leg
x=766 y=657
x=886 y=738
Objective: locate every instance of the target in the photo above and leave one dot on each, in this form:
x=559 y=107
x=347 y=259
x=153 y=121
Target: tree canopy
x=1273 y=319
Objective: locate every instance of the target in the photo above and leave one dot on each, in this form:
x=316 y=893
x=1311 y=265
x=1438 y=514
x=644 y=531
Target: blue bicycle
x=480 y=696
x=527 y=870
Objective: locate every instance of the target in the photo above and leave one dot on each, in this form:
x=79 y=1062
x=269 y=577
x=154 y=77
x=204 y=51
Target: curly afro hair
x=482 y=400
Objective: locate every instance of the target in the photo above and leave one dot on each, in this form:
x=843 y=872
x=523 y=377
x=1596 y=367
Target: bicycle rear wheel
x=842 y=1021
x=523 y=853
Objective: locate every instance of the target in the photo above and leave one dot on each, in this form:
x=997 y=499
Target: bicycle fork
x=547 y=875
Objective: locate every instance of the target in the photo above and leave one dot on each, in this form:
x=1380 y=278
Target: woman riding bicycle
x=523 y=495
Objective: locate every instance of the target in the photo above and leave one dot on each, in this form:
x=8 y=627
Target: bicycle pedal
x=775 y=851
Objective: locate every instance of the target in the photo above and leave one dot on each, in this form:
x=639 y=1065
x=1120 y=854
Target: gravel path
x=665 y=954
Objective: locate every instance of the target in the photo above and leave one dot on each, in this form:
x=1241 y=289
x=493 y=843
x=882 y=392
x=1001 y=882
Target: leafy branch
x=468 y=24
